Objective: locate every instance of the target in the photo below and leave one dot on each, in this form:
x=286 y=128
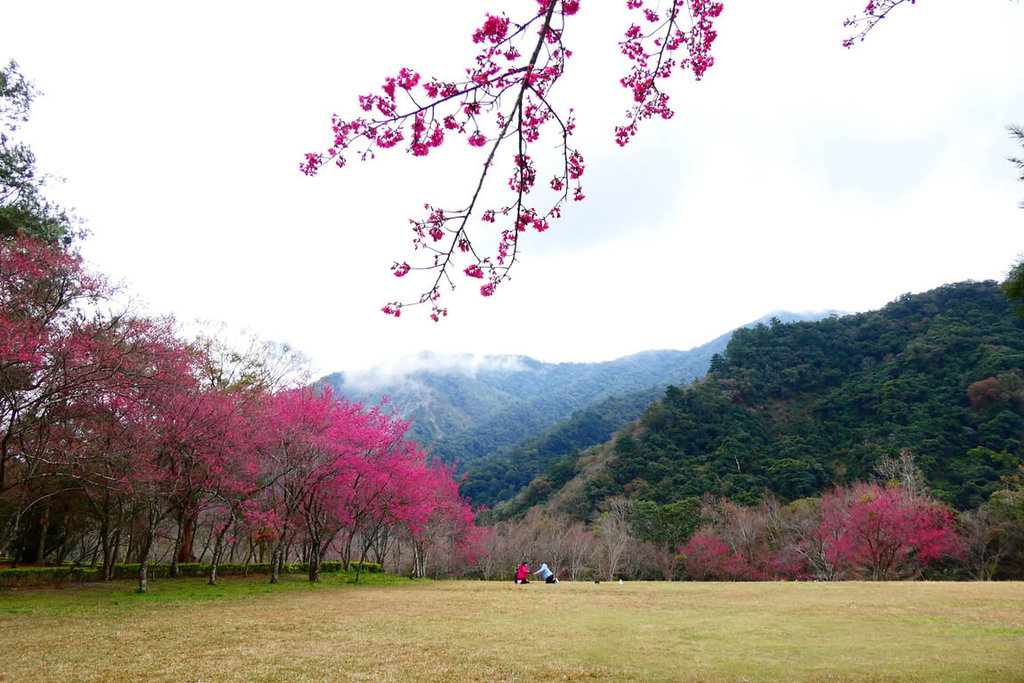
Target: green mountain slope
x=791 y=408
x=502 y=474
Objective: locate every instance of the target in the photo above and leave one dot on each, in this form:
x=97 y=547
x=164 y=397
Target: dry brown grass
x=475 y=631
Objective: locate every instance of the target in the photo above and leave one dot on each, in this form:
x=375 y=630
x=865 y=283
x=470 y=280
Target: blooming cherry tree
x=336 y=470
x=885 y=533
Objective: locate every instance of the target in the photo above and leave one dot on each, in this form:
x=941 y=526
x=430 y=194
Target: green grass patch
x=390 y=628
x=55 y=576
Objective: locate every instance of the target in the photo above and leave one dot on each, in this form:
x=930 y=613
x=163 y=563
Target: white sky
x=798 y=175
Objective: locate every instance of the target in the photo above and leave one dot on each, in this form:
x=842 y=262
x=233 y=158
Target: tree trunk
x=362 y=561
x=218 y=547
x=106 y=540
x=62 y=552
x=347 y=559
x=174 y=571
x=147 y=544
x=16 y=555
x=380 y=546
x=275 y=565
x=419 y=560
x=153 y=518
x=215 y=560
x=3 y=462
x=143 y=579
x=187 y=536
x=206 y=545
x=314 y=567
x=5 y=537
x=115 y=547
x=44 y=524
x=131 y=543
x=315 y=554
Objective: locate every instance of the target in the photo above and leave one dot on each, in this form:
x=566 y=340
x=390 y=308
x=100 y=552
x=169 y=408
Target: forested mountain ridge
x=466 y=408
x=792 y=408
x=560 y=389
x=463 y=408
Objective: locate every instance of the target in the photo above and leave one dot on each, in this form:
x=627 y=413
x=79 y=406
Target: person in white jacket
x=546 y=574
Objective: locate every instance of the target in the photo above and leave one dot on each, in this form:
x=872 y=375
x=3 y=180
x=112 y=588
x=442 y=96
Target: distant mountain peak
x=405 y=368
x=800 y=316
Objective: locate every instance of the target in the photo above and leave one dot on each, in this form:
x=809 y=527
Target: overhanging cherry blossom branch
x=502 y=87
x=652 y=53
x=873 y=13
x=504 y=97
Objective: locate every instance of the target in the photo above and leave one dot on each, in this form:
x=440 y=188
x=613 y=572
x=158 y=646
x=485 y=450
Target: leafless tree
x=581 y=548
x=902 y=471
x=614 y=532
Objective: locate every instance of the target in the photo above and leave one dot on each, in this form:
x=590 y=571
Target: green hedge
x=42 y=576
x=334 y=567
x=46 y=576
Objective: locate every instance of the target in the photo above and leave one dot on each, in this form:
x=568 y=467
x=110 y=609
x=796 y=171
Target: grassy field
x=390 y=629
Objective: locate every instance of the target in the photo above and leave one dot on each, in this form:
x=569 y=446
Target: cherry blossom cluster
x=502 y=102
x=652 y=46
x=35 y=284
x=874 y=12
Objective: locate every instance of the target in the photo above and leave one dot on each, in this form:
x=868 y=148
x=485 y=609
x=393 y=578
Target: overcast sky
x=798 y=175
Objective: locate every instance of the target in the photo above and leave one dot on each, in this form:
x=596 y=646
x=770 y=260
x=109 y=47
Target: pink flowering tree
x=502 y=105
x=102 y=437
x=885 y=533
x=337 y=472
x=391 y=494
x=96 y=445
x=364 y=482
x=740 y=542
x=445 y=536
x=57 y=352
x=236 y=474
x=45 y=333
x=180 y=432
x=708 y=558
x=131 y=435
x=244 y=378
x=298 y=460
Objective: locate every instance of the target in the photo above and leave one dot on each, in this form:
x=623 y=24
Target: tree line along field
x=391 y=628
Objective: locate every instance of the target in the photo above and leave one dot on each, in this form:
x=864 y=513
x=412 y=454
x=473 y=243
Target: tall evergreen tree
x=23 y=208
x=1013 y=286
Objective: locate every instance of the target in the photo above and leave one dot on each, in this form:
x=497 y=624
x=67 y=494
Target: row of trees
x=119 y=440
x=115 y=433
x=888 y=529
